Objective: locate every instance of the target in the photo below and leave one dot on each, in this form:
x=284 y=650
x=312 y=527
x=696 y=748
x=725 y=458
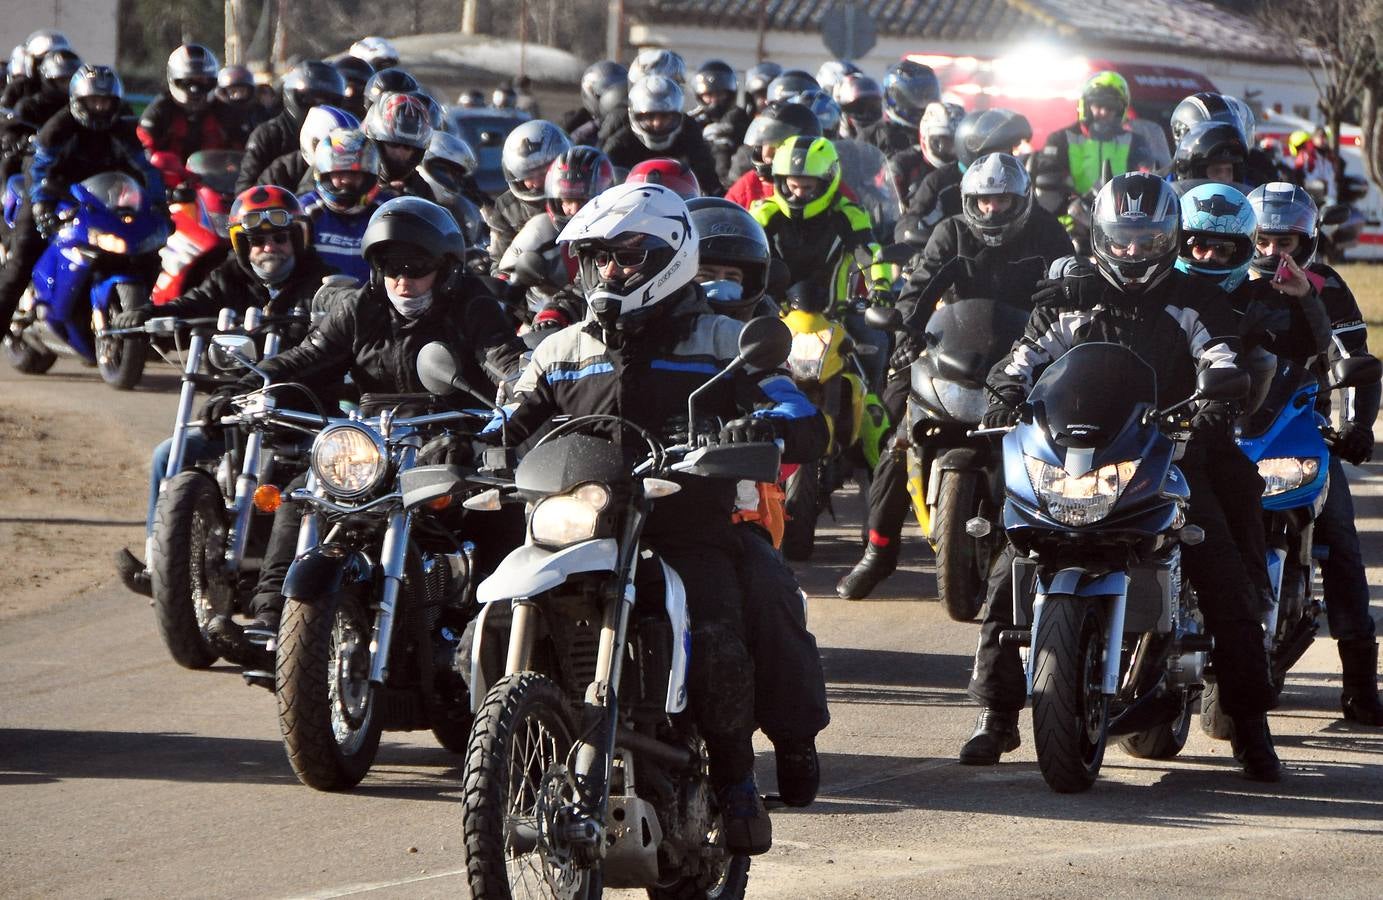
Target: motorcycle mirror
x=240 y=347
x=1223 y=384
x=1355 y=371
x=1335 y=214
x=765 y=342
x=530 y=269
x=884 y=318
x=437 y=369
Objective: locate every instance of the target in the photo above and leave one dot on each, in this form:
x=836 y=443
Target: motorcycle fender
x=855 y=385
x=1081 y=583
x=675 y=599
x=100 y=292
x=958 y=459
x=324 y=570
x=531 y=570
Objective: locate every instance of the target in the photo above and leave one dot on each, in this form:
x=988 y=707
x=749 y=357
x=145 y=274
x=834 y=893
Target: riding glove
x=132 y=318
x=748 y=430
x=1355 y=444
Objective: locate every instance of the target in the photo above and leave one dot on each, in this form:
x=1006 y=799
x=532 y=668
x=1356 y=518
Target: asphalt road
x=122 y=775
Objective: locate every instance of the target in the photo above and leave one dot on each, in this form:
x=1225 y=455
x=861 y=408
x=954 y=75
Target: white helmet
x=651 y=226
x=319 y=122
x=377 y=51
x=656 y=95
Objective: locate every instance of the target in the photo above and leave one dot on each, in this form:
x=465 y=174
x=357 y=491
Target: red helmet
x=671 y=174
x=267 y=207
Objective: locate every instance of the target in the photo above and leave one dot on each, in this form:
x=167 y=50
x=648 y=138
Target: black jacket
x=573 y=119
x=364 y=336
x=890 y=137
x=724 y=134
x=66 y=152
x=267 y=143
x=230 y=285
x=626 y=151
x=505 y=217
x=935 y=197
x=1290 y=328
x=1349 y=336
x=289 y=171
x=29 y=116
x=955 y=259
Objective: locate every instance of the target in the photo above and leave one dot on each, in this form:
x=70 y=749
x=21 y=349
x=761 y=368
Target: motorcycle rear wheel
x=801 y=507
x=328 y=711
x=28 y=359
x=120 y=360
x=1163 y=741
x=1070 y=714
x=190 y=529
x=521 y=734
x=959 y=579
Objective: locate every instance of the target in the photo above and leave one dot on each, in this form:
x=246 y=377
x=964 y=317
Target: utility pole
x=614 y=30
x=469 y=15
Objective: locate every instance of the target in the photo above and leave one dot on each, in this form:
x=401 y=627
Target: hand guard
x=748 y=430
x=1356 y=444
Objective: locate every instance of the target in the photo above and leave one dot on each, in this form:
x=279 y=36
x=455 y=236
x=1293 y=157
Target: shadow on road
x=894 y=677
x=95 y=523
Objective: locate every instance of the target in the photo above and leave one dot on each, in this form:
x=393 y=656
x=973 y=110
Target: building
x=89 y=24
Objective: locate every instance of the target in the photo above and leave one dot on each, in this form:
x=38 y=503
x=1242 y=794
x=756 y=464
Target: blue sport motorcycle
x=1096 y=510
x=93 y=268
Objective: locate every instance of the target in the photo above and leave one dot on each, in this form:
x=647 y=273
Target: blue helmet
x=1217 y=216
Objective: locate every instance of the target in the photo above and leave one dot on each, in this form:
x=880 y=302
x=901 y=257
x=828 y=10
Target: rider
x=1287 y=229
x=654 y=340
x=356 y=73
x=273 y=267
x=35 y=48
x=1177 y=324
x=1209 y=151
x=400 y=127
x=235 y=99
x=54 y=73
x=528 y=151
x=657 y=127
x=722 y=121
x=756 y=82
x=596 y=80
x=310 y=83
x=753 y=163
x=908 y=88
x=293 y=170
x=1099 y=136
x=789 y=687
x=185 y=118
x=87 y=138
x=998 y=247
x=861 y=100
x=346 y=194
x=418 y=292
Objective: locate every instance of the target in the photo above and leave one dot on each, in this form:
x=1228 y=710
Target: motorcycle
x=91 y=270
x=199 y=207
x=1096 y=510
x=583 y=771
x=825 y=366
x=1290 y=443
x=952 y=478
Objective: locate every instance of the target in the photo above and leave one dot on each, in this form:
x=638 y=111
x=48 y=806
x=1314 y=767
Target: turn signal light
x=267 y=498
x=439 y=504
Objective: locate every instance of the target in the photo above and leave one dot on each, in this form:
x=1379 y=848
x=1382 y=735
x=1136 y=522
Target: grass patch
x=1366 y=281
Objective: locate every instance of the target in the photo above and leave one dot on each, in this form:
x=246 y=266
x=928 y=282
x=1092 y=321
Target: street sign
x=847 y=30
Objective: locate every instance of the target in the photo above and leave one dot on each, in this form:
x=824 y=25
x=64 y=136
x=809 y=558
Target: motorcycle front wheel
x=959 y=563
x=190 y=530
x=1069 y=711
x=120 y=360
x=516 y=792
x=328 y=710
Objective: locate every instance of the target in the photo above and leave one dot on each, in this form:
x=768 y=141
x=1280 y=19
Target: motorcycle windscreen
x=977 y=332
x=1088 y=396
x=115 y=191
x=217 y=169
x=864 y=170
x=1287 y=381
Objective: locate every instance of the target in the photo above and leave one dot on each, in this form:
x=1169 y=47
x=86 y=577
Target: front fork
x=1074 y=582
x=243 y=506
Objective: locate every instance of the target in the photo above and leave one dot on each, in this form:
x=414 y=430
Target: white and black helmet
x=637 y=247
x=658 y=62
x=377 y=51
x=652 y=96
x=528 y=151
x=192 y=71
x=937 y=132
x=1133 y=230
x=994 y=175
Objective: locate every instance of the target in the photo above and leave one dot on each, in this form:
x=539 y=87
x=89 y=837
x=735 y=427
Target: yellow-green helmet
x=810 y=157
x=1107 y=89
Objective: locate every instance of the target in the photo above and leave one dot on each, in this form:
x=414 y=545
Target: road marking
x=367 y=887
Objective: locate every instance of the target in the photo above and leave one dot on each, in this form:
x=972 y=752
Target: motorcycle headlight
x=566 y=519
x=348 y=461
x=107 y=242
x=1287 y=473
x=808 y=354
x=1079 y=500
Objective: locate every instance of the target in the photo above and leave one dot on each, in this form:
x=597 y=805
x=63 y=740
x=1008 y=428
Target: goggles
x=253 y=220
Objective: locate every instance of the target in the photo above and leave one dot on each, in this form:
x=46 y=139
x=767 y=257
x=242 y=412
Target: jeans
x=198 y=446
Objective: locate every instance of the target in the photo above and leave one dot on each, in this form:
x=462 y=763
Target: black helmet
x=775 y=123
x=730 y=236
x=990 y=131
x=599 y=78
x=57 y=69
x=192 y=71
x=1207 y=143
x=1284 y=208
x=413 y=227
x=1207 y=106
x=235 y=86
x=1133 y=230
x=908 y=88
x=758 y=78
x=389 y=81
x=861 y=99
x=714 y=75
x=356 y=73
x=94 y=97
x=312 y=83
x=790 y=82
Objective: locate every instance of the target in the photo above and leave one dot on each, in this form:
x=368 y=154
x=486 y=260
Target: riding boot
x=799 y=771
x=1359 y=700
x=877 y=564
x=996 y=733
x=133 y=573
x=1253 y=748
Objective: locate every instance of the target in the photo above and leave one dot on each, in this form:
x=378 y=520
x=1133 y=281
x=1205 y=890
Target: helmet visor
x=1135 y=241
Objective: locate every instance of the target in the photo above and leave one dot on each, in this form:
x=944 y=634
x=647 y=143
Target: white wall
x=88 y=24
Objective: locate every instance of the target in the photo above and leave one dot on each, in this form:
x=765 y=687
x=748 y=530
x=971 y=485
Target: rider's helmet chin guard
x=804 y=157
x=346 y=150
x=1282 y=208
x=1221 y=214
x=645 y=235
x=995 y=175
x=1133 y=231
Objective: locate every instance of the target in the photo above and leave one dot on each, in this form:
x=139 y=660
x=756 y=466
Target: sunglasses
x=625 y=259
x=407 y=268
x=261 y=218
x=1212 y=246
x=270 y=238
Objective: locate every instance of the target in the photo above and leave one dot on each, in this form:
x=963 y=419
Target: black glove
x=219 y=405
x=1048 y=290
x=748 y=430
x=1355 y=444
x=997 y=416
x=1213 y=419
x=905 y=353
x=46 y=219
x=132 y=318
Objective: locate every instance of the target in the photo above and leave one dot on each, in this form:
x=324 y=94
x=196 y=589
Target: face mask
x=273 y=269
x=723 y=291
x=410 y=307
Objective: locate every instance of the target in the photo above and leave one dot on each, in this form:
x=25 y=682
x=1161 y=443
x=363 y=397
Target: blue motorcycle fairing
x=1294 y=431
x=1081 y=583
x=324 y=570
